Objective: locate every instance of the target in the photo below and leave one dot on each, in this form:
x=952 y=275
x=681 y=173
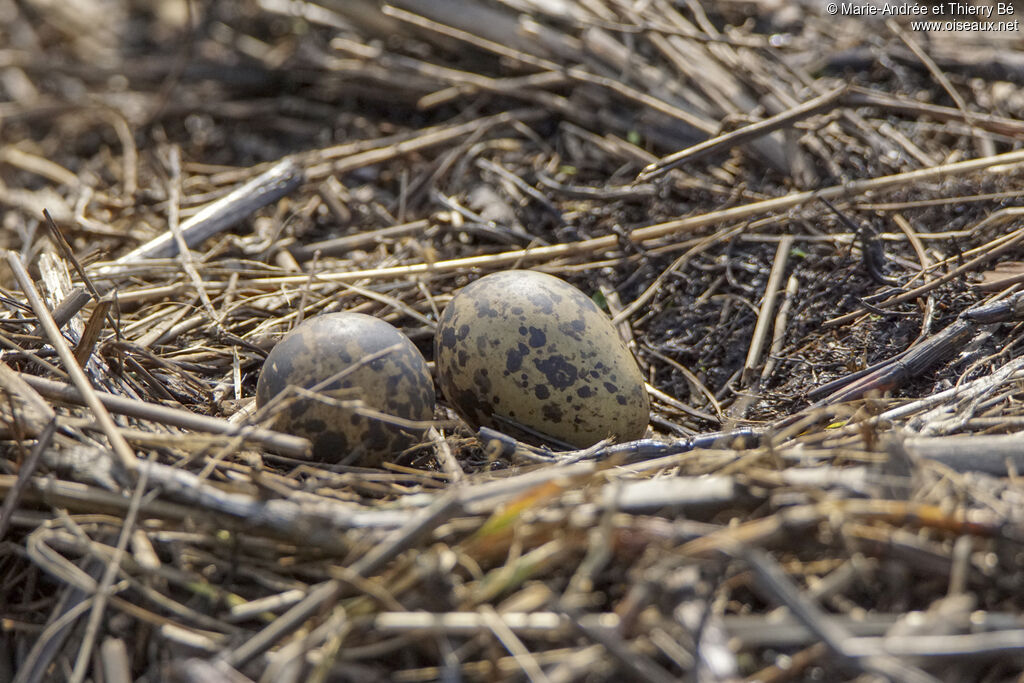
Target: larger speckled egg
x=529 y=354
x=380 y=370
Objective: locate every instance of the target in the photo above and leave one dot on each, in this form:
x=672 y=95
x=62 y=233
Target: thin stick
x=340 y=246
x=429 y=137
x=328 y=592
x=860 y=97
x=67 y=309
x=764 y=315
x=507 y=637
x=774 y=581
x=835 y=191
x=936 y=73
x=121 y=448
x=1008 y=242
x=28 y=468
x=103 y=591
x=697 y=122
x=651 y=232
x=649 y=293
x=285 y=444
x=69 y=253
x=741 y=135
x=445 y=457
x=173 y=224
x=779 y=333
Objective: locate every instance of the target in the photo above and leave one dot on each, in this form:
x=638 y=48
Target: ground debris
x=805 y=225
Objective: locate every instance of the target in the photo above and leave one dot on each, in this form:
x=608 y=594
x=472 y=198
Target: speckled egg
x=383 y=370
x=528 y=353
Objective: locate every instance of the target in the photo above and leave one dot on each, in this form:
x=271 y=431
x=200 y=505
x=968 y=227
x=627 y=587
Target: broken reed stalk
x=124 y=452
x=266 y=188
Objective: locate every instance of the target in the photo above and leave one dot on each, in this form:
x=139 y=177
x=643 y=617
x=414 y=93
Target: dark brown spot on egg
x=514 y=357
x=469 y=402
x=485 y=310
x=537 y=337
x=559 y=372
x=543 y=303
x=481 y=382
x=330 y=446
x=552 y=412
x=573 y=329
x=448 y=338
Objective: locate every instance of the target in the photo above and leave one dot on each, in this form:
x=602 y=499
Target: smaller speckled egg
x=525 y=349
x=395 y=383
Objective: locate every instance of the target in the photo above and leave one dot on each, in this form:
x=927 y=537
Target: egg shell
x=526 y=347
x=397 y=383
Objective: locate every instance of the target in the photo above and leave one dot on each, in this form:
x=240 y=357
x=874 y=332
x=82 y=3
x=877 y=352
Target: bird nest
x=804 y=225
